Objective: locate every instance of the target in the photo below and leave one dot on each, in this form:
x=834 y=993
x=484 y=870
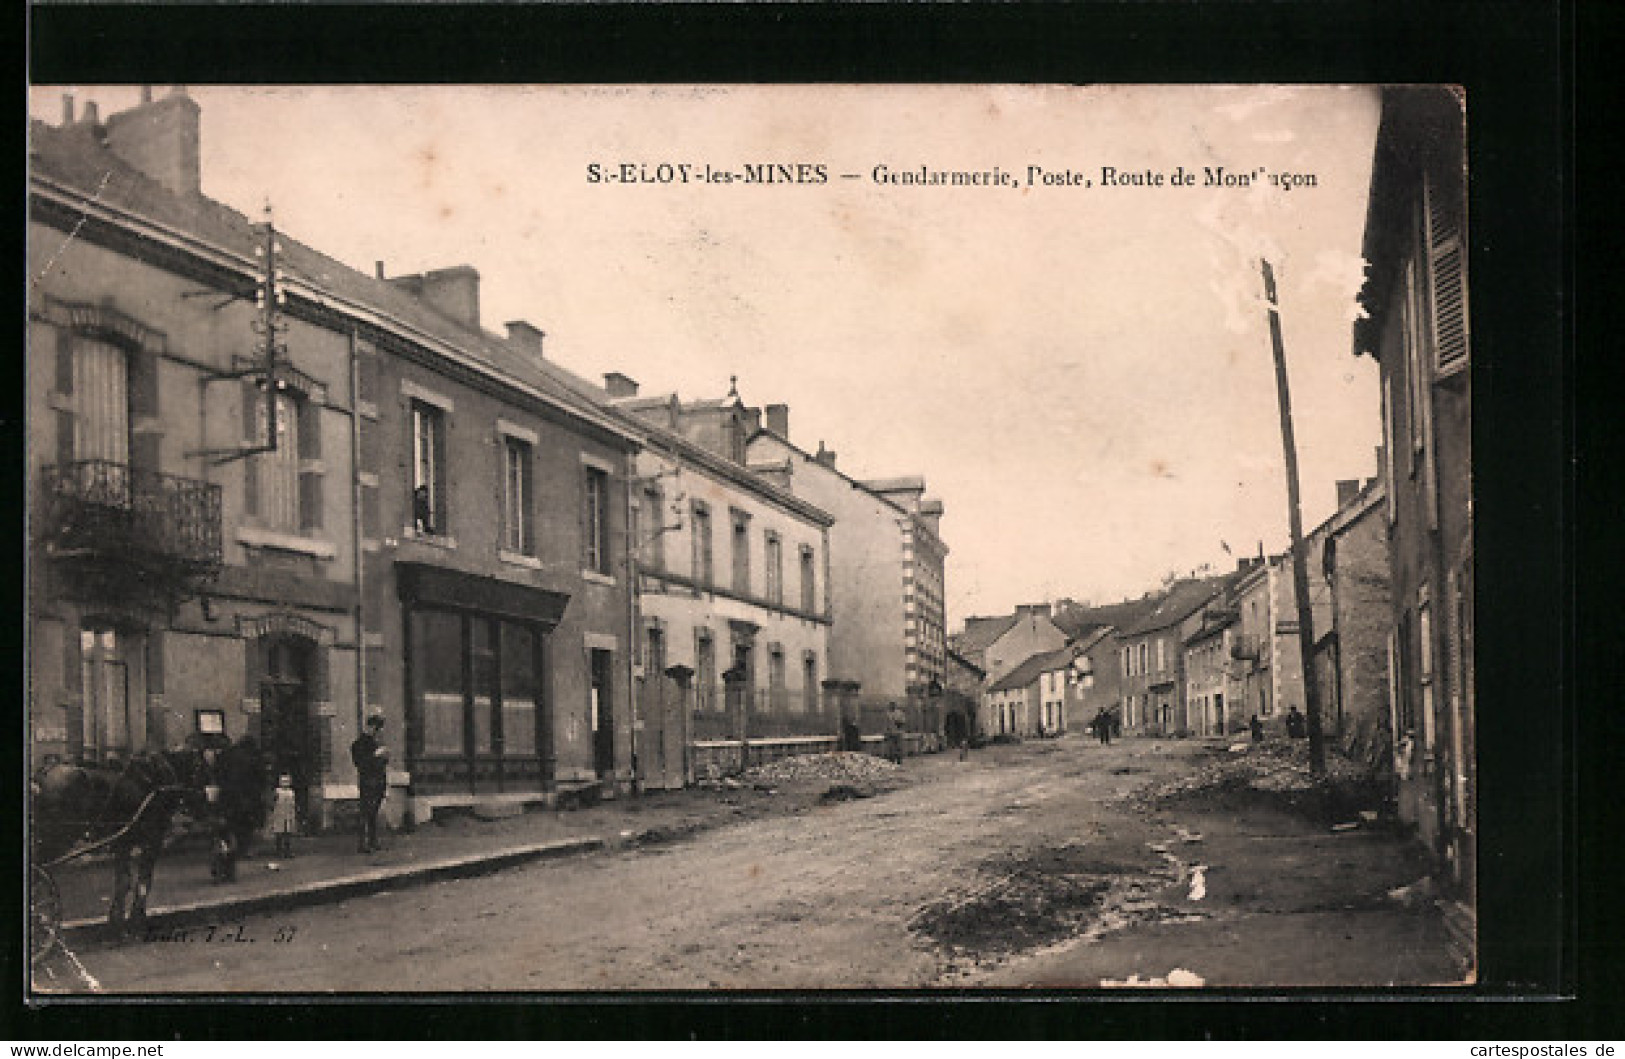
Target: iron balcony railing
x=98 y=508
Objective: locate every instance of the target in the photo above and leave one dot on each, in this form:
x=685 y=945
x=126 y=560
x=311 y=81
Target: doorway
x=603 y=713
x=285 y=728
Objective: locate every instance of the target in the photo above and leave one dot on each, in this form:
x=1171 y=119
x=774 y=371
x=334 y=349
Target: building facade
x=886 y=582
x=733 y=598
x=1417 y=329
x=313 y=456
x=1151 y=662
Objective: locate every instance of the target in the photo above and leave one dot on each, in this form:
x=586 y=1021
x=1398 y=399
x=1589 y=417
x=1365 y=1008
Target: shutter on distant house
x=143 y=384
x=1447 y=267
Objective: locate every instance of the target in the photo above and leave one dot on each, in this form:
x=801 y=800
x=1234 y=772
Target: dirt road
x=1025 y=865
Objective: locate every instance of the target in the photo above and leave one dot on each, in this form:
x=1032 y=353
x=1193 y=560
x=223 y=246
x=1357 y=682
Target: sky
x=1082 y=372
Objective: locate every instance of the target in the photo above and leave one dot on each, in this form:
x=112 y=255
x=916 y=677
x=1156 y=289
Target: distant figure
x=894 y=734
x=371 y=760
x=284 y=816
x=1257 y=728
x=1295 y=724
x=1102 y=725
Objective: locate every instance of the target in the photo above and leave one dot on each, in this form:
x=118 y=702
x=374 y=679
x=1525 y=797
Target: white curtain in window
x=101 y=410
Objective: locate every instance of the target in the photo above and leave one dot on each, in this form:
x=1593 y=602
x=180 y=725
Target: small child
x=284 y=817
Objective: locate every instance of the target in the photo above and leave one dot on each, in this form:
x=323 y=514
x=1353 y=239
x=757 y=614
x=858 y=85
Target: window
x=809 y=581
x=776 y=689
x=1162 y=655
x=428 y=469
x=809 y=683
x=517 y=531
x=101 y=412
x=1144 y=659
x=705 y=669
x=105 y=683
x=741 y=552
x=773 y=567
x=654 y=529
x=595 y=519
x=704 y=553
x=283 y=487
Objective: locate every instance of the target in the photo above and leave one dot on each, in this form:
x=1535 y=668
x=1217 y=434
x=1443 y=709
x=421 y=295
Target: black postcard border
x=1513 y=60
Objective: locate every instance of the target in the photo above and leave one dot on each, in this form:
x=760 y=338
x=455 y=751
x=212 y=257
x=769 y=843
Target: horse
x=128 y=806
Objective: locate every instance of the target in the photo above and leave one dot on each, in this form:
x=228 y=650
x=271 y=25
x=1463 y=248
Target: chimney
x=1347 y=490
x=930 y=513
x=146 y=94
x=378 y=269
x=824 y=456
x=617 y=384
x=453 y=292
x=67 y=108
x=161 y=138
x=1369 y=482
x=1035 y=610
x=778 y=420
x=93 y=113
x=526 y=336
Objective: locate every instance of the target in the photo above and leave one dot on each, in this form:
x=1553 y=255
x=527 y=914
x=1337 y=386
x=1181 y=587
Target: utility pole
x=1300 y=576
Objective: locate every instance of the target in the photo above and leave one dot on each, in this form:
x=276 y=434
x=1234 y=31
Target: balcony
x=158 y=526
x=1244 y=647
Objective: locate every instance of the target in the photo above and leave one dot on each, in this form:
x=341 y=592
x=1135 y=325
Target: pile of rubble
x=842 y=766
x=1272 y=768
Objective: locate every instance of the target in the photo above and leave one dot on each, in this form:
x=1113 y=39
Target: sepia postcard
x=720 y=539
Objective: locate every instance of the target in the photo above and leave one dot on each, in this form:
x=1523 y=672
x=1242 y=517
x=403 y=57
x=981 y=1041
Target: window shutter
x=64 y=362
x=583 y=519
x=143 y=384
x=1447 y=268
x=442 y=524
x=64 y=437
x=310 y=501
x=310 y=429
x=528 y=504
x=253 y=407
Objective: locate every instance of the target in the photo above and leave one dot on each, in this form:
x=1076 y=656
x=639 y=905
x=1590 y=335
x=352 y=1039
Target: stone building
x=348 y=521
x=1350 y=584
x=1417 y=329
x=1151 y=663
x=887 y=641
x=734 y=601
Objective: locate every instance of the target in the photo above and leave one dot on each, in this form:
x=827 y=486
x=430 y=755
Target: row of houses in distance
x=271 y=495
x=1390 y=571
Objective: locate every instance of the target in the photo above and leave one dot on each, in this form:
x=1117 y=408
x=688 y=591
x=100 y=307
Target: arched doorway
x=285 y=714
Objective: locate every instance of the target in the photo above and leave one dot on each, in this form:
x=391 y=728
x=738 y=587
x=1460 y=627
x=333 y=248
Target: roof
x=74 y=158
x=1078 y=622
x=1029 y=671
x=982 y=633
x=960 y=660
x=1180 y=603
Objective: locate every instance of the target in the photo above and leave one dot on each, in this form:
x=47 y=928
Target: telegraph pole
x=1300 y=576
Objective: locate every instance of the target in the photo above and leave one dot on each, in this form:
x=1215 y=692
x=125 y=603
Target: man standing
x=372 y=777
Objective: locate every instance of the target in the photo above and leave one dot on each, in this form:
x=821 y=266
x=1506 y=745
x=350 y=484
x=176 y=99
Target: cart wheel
x=44 y=916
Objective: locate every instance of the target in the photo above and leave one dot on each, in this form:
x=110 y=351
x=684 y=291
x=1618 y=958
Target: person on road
x=1103 y=726
x=1294 y=724
x=894 y=735
x=371 y=760
x=1257 y=728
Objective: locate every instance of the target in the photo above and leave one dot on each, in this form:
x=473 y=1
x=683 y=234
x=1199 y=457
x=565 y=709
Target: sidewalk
x=328 y=868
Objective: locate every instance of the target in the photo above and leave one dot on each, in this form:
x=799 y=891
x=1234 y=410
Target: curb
x=343 y=888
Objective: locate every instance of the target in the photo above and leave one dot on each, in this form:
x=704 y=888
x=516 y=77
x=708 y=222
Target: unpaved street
x=1025 y=865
